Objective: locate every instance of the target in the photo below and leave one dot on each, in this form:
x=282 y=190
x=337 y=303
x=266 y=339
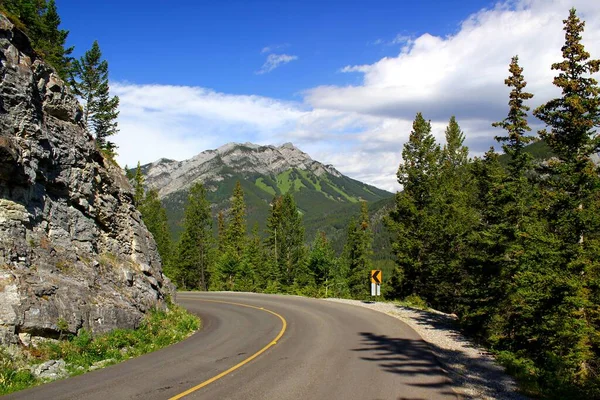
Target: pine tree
x=252 y=275
x=503 y=243
x=571 y=196
x=53 y=40
x=455 y=154
x=285 y=242
x=409 y=222
x=446 y=222
x=41 y=22
x=231 y=263
x=358 y=252
x=194 y=258
x=419 y=170
x=154 y=216
x=515 y=123
x=89 y=79
x=222 y=232
x=322 y=264
x=138 y=186
x=487 y=246
x=236 y=229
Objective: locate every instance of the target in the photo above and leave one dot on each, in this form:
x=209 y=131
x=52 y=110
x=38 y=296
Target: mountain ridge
x=169 y=176
x=265 y=171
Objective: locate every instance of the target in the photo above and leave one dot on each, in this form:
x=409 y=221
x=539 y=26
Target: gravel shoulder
x=472 y=369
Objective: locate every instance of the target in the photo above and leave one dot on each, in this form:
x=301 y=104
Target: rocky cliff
x=74 y=252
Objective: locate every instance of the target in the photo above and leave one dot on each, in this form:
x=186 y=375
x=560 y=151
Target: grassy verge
x=84 y=351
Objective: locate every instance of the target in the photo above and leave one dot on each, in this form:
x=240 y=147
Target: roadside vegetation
x=85 y=352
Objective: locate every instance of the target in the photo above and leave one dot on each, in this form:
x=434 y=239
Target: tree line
x=86 y=76
x=237 y=260
x=514 y=251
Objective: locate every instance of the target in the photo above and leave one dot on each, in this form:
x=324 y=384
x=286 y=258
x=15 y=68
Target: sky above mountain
x=341 y=79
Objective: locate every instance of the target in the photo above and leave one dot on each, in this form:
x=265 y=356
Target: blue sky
x=340 y=79
x=218 y=44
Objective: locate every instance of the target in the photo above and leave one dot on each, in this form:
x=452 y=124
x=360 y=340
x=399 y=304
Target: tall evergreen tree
x=236 y=229
x=358 y=252
x=222 y=232
x=571 y=195
x=502 y=244
x=89 y=79
x=515 y=123
x=446 y=221
x=233 y=242
x=409 y=222
x=455 y=154
x=194 y=259
x=322 y=264
x=138 y=186
x=154 y=216
x=286 y=242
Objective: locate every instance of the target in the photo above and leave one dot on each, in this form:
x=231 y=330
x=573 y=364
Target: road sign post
x=376 y=278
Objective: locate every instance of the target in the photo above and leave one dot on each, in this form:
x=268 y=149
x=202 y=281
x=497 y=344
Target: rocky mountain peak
x=245 y=158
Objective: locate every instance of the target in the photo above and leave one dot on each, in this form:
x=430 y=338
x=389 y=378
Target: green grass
x=342 y=193
x=158 y=329
x=262 y=185
x=283 y=181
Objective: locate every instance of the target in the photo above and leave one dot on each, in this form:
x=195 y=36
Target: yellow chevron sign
x=376 y=276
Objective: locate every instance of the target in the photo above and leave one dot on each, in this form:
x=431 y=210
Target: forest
x=511 y=247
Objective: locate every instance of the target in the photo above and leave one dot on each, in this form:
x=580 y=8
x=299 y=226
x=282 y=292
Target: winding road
x=272 y=347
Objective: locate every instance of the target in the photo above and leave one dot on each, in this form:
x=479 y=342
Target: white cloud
x=275 y=60
x=178 y=121
x=361 y=129
x=463 y=74
x=273 y=47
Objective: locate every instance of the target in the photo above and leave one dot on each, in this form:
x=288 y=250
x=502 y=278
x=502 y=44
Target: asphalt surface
x=327 y=351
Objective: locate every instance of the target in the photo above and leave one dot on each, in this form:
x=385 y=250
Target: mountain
x=264 y=172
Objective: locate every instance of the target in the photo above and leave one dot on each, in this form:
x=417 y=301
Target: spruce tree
x=138 y=186
x=322 y=264
x=410 y=221
x=231 y=263
x=154 y=216
x=504 y=242
x=487 y=245
x=194 y=259
x=571 y=196
x=236 y=229
x=455 y=154
x=286 y=243
x=515 y=123
x=89 y=79
x=446 y=222
x=358 y=252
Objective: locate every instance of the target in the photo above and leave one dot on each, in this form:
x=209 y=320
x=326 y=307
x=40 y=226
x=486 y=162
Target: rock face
x=74 y=252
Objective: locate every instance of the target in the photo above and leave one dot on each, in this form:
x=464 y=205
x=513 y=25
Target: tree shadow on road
x=466 y=369
x=409 y=358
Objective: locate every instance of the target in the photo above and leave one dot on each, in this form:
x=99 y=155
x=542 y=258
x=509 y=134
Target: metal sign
x=376 y=279
x=376 y=276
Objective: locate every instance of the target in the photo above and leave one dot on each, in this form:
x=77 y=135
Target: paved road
x=325 y=351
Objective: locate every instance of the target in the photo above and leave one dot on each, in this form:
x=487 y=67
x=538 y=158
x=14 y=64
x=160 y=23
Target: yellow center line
x=247 y=360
